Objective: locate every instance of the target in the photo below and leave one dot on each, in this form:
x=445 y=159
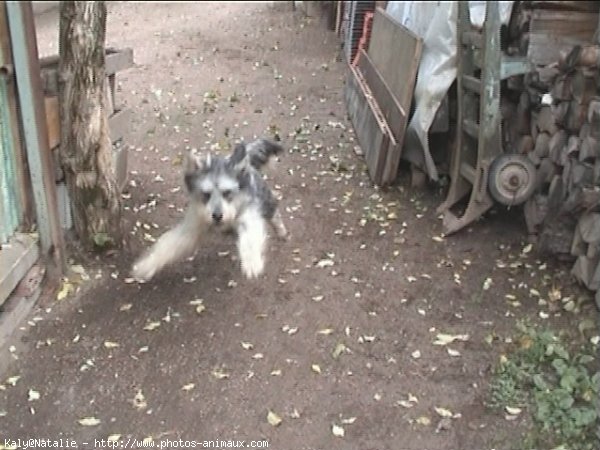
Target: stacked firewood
x=553 y=116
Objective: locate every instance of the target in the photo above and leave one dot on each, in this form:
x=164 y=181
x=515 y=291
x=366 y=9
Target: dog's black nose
x=217 y=216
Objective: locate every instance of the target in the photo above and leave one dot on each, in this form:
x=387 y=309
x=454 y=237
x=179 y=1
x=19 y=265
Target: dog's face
x=215 y=184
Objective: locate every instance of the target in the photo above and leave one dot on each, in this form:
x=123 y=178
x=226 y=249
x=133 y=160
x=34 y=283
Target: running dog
x=225 y=193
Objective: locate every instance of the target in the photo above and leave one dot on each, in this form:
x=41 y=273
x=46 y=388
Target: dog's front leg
x=252 y=237
x=175 y=244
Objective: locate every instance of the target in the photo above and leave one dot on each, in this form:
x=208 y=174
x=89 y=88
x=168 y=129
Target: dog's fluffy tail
x=260 y=151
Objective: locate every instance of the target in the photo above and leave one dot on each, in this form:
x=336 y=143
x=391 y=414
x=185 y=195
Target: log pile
x=553 y=116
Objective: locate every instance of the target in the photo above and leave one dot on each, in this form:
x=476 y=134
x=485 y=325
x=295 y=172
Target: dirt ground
x=338 y=334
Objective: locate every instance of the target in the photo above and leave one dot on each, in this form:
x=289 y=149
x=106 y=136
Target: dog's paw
x=253 y=266
x=144 y=269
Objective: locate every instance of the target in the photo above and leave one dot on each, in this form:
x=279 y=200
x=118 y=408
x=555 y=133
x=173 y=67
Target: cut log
x=583 y=270
x=596 y=282
x=576 y=116
x=542 y=145
x=545 y=173
x=561 y=90
x=578 y=246
x=589 y=228
x=589 y=150
x=582 y=174
x=535 y=211
x=523 y=116
x=593 y=117
x=556 y=145
x=566 y=173
x=571 y=150
x=583 y=88
x=590 y=198
x=525 y=145
x=582 y=55
x=556 y=195
x=560 y=112
x=581 y=200
x=546 y=121
x=534 y=130
x=547 y=75
x=535 y=159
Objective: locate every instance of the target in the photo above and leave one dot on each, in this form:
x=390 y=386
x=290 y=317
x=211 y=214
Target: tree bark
x=86 y=149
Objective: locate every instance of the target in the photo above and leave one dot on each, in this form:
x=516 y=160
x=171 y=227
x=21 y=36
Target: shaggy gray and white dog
x=225 y=193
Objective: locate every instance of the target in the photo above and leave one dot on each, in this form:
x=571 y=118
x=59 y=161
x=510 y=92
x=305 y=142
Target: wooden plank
x=552 y=32
x=374 y=136
x=31 y=102
x=119 y=123
x=25 y=193
x=118 y=60
x=391 y=65
x=393 y=112
x=115 y=61
x=16 y=259
x=589 y=6
x=395 y=51
x=52 y=121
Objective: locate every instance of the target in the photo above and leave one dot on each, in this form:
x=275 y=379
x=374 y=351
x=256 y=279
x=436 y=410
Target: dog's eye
x=206 y=196
x=227 y=194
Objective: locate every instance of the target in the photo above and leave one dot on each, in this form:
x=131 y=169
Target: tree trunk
x=86 y=149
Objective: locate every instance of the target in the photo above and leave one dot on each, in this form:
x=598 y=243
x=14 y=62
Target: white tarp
x=435 y=23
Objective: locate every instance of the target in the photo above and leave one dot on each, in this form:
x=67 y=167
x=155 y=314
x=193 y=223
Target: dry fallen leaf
x=452 y=352
x=247 y=346
x=325 y=331
x=110 y=344
x=33 y=395
x=89 y=421
x=188 y=387
x=220 y=374
x=424 y=420
x=445 y=339
x=151 y=326
x=338 y=350
x=513 y=411
x=337 y=430
x=65 y=290
x=443 y=412
x=139 y=401
x=325 y=263
x=316 y=368
x=113 y=438
x=273 y=419
x=13 y=380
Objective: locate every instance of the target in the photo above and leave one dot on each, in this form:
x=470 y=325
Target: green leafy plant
x=556 y=384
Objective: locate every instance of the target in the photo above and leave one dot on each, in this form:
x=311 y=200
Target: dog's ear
x=238 y=160
x=195 y=162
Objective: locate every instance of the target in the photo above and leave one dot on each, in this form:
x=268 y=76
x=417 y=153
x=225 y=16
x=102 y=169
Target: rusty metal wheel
x=512 y=179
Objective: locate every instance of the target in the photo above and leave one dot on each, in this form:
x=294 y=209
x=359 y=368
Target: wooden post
x=31 y=101
x=25 y=194
x=86 y=149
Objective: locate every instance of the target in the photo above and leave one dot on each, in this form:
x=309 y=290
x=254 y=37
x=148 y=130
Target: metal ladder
x=480 y=68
